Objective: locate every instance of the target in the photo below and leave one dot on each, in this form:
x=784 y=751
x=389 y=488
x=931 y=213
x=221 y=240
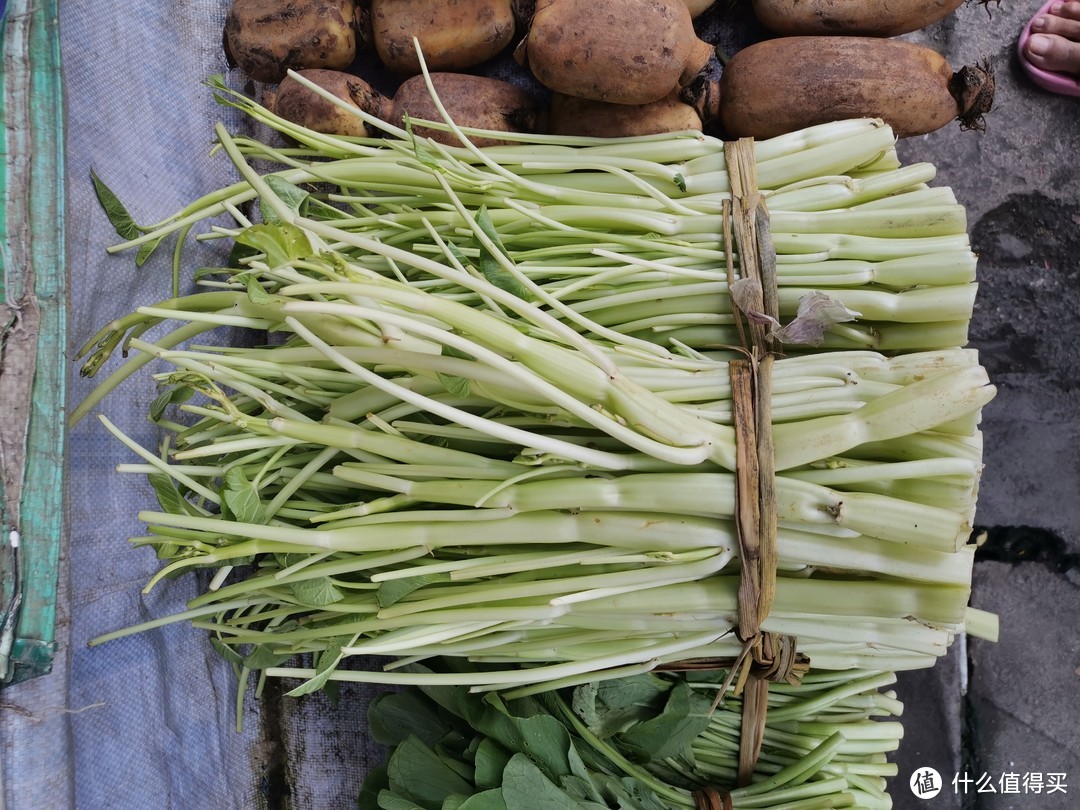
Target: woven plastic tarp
x=147 y=721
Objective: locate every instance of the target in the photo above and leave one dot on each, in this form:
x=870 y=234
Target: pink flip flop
x=1051 y=80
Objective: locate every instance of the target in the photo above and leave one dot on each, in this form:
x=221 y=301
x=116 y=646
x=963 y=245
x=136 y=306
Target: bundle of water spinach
x=488 y=414
x=648 y=742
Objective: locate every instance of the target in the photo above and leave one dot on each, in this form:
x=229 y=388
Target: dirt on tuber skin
x=579 y=116
x=266 y=40
x=300 y=104
x=877 y=18
x=784 y=84
x=475 y=102
x=617 y=51
x=454 y=35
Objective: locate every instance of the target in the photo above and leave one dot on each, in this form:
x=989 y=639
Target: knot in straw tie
x=710 y=798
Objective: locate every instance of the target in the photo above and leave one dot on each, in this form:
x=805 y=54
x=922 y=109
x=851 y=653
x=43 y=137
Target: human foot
x=1049 y=47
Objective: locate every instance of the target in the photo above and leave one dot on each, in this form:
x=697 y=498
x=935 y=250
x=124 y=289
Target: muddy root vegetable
x=788 y=83
x=579 y=116
x=875 y=18
x=454 y=34
x=300 y=104
x=475 y=102
x=699 y=7
x=618 y=51
x=267 y=39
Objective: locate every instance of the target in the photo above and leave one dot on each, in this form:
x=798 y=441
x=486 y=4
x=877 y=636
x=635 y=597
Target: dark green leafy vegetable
x=639 y=743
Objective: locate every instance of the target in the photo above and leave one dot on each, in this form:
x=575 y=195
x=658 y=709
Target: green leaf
x=226 y=651
x=670 y=733
x=170 y=396
x=328 y=661
x=168 y=494
x=607 y=707
x=263 y=656
x=257 y=294
x=628 y=793
x=118 y=215
x=395 y=716
x=146 y=249
x=450 y=351
x=279 y=242
x=418 y=773
x=332 y=690
x=541 y=736
x=167 y=551
x=488 y=764
x=451 y=750
x=488 y=800
x=525 y=787
x=680 y=181
x=294 y=197
x=393 y=590
x=242 y=497
x=239 y=253
x=331 y=657
x=391 y=801
x=579 y=770
x=458 y=702
x=456 y=386
x=317 y=592
x=489 y=265
x=289 y=560
x=374 y=783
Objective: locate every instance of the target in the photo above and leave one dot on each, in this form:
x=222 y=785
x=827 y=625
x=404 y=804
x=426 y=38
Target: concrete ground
x=1013 y=708
x=1003 y=719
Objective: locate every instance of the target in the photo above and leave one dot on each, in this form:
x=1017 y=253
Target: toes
x=1063 y=21
x=1051 y=52
x=1068 y=10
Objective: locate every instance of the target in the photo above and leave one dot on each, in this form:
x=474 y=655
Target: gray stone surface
x=1020 y=709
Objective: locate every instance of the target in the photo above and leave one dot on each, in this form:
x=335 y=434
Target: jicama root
x=300 y=104
x=618 y=51
x=266 y=40
x=579 y=116
x=453 y=34
x=785 y=84
x=874 y=18
x=472 y=101
x=699 y=7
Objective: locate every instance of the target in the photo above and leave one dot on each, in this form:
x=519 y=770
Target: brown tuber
x=788 y=83
x=619 y=51
x=475 y=102
x=267 y=39
x=678 y=111
x=699 y=7
x=296 y=102
x=875 y=18
x=453 y=34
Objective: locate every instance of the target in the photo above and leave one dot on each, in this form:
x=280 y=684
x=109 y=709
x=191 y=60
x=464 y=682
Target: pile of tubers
x=603 y=68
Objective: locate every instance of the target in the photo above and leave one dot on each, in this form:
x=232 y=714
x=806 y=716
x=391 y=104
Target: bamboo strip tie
x=766 y=657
